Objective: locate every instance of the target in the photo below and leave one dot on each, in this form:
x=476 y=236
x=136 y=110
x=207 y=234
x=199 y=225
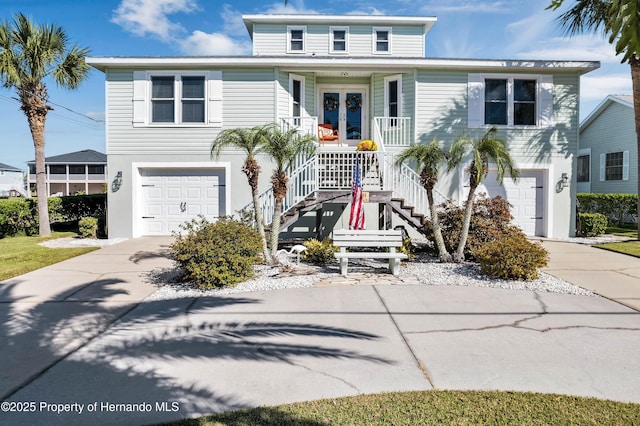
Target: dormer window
x=382 y=40
x=296 y=36
x=339 y=39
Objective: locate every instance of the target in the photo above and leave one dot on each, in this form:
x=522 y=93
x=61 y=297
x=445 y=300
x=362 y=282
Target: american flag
x=356 y=218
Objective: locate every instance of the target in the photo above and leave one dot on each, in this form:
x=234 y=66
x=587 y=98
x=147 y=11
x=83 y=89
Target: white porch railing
x=305 y=125
x=393 y=131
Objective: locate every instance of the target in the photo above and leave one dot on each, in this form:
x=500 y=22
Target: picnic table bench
x=344 y=238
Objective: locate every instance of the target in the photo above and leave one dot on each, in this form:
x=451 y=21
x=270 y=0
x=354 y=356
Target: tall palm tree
x=250 y=141
x=29 y=54
x=284 y=146
x=482 y=151
x=620 y=21
x=429 y=158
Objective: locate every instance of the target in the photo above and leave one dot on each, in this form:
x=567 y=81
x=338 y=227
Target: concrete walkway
x=76 y=333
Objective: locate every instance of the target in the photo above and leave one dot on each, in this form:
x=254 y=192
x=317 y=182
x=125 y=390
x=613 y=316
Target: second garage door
x=526 y=197
x=171 y=197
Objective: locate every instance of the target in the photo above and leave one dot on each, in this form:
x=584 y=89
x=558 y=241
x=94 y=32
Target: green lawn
x=437 y=407
x=19 y=255
x=626 y=231
x=632 y=248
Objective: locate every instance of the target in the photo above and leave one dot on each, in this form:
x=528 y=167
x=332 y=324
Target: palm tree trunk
x=443 y=254
x=466 y=223
x=36 y=124
x=259 y=221
x=634 y=61
x=275 y=228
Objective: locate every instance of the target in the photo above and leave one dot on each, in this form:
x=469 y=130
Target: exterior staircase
x=327 y=178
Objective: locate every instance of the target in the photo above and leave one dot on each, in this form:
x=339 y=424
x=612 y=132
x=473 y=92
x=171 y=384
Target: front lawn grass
x=436 y=407
x=632 y=248
x=19 y=255
x=625 y=231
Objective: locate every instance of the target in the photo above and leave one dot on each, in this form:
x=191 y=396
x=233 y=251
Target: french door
x=345 y=108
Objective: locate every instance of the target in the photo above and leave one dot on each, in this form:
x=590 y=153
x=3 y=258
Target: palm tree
x=483 y=150
x=428 y=159
x=30 y=53
x=284 y=146
x=618 y=19
x=251 y=142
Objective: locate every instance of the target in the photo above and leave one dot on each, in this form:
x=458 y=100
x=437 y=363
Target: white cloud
x=583 y=47
x=233 y=23
x=149 y=17
x=594 y=87
x=201 y=43
x=470 y=6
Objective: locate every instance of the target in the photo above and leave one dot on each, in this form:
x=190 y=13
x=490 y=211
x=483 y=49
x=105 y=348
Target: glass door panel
x=353 y=114
x=331 y=109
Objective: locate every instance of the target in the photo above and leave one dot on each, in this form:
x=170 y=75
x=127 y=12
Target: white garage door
x=171 y=197
x=526 y=197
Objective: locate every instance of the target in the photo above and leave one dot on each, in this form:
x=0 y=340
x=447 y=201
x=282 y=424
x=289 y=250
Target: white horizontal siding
x=271 y=39
x=612 y=131
x=248 y=100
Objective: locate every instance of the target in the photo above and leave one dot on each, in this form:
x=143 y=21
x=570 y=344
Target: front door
x=345 y=108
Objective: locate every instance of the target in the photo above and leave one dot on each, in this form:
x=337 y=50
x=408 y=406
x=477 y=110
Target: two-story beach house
x=350 y=78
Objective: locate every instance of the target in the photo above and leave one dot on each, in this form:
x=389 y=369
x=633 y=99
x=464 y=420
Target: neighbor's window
x=76 y=169
x=57 y=169
x=613 y=166
x=187 y=107
x=96 y=169
x=382 y=40
x=32 y=169
x=339 y=40
x=583 y=168
x=296 y=39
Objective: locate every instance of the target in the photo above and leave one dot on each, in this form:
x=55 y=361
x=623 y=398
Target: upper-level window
x=95 y=169
x=76 y=169
x=339 y=39
x=57 y=169
x=176 y=98
x=296 y=42
x=511 y=101
x=381 y=40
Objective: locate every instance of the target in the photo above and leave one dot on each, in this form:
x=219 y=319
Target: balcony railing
x=394 y=131
x=305 y=125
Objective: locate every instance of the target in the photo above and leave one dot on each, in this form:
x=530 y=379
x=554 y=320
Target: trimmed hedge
x=19 y=216
x=512 y=257
x=618 y=208
x=592 y=224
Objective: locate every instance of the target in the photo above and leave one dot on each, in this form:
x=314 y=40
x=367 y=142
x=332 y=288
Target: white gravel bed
x=423 y=268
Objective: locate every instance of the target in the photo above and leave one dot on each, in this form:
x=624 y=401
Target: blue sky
x=479 y=29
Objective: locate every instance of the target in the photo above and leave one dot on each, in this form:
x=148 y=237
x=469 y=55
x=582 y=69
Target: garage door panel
x=171 y=197
x=526 y=197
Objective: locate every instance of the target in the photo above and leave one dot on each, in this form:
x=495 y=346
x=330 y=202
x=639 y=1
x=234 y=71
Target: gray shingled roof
x=84 y=157
x=9 y=168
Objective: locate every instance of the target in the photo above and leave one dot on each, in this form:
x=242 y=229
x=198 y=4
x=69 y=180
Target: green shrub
x=319 y=252
x=88 y=227
x=216 y=254
x=490 y=220
x=18 y=216
x=618 y=208
x=512 y=257
x=592 y=224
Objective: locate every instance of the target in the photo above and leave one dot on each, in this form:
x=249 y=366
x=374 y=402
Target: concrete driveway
x=76 y=337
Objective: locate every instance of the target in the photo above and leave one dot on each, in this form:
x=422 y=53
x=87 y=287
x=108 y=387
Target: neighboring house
x=11 y=181
x=369 y=78
x=69 y=174
x=608 y=150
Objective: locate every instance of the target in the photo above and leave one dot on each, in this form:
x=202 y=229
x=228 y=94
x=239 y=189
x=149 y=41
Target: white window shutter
x=475 y=101
x=603 y=166
x=215 y=98
x=139 y=98
x=546 y=101
x=625 y=165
